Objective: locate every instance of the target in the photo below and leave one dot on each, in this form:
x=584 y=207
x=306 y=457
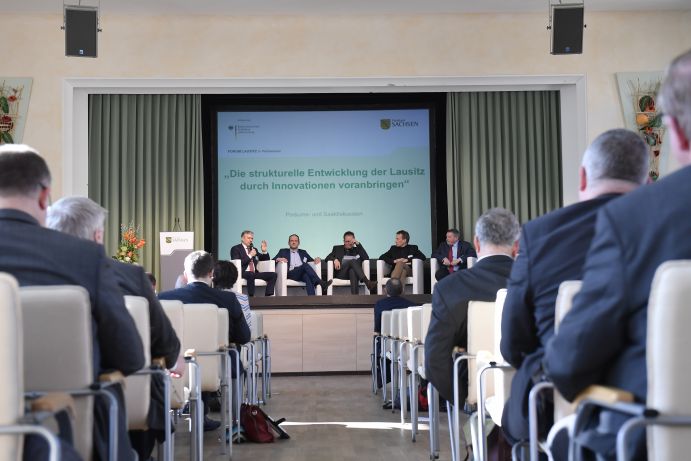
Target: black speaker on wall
x=567 y=29
x=81 y=31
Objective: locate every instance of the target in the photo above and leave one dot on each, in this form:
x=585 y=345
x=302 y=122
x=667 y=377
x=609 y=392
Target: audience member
x=85 y=219
x=152 y=280
x=298 y=269
x=496 y=235
x=452 y=254
x=225 y=276
x=35 y=255
x=393 y=300
x=401 y=255
x=347 y=260
x=247 y=254
x=199 y=266
x=553 y=249
x=602 y=340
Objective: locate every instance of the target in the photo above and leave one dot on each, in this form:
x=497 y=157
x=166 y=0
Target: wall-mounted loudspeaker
x=567 y=29
x=81 y=31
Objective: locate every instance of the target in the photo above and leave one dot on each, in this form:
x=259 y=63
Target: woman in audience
x=225 y=276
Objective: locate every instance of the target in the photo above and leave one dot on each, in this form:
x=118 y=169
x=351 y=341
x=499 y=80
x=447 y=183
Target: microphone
x=250 y=247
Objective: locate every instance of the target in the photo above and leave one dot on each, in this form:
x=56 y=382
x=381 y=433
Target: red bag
x=254 y=424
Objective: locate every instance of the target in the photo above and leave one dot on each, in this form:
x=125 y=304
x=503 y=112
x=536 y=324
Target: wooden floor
x=334 y=418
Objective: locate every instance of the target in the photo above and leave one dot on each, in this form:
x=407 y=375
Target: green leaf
x=4 y=105
x=6 y=137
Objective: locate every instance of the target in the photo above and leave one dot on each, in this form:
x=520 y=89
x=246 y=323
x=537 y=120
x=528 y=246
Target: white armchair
x=343 y=282
x=263 y=266
x=283 y=282
x=416 y=280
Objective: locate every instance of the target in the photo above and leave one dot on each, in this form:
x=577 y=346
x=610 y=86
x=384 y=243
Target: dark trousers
x=351 y=269
x=144 y=442
x=441 y=273
x=305 y=273
x=268 y=277
x=101 y=436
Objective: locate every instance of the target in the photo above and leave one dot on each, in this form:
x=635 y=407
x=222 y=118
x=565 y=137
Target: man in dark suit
x=393 y=300
x=552 y=249
x=452 y=254
x=347 y=259
x=249 y=259
x=602 y=340
x=84 y=218
x=35 y=255
x=401 y=255
x=298 y=267
x=199 y=269
x=496 y=235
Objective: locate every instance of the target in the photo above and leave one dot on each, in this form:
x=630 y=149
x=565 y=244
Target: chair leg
x=403 y=396
x=433 y=403
x=453 y=433
x=413 y=398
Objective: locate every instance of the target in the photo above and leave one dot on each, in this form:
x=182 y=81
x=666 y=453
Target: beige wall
x=341 y=46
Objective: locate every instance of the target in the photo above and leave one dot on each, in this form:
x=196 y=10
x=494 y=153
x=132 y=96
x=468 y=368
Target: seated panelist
x=298 y=267
x=347 y=260
x=249 y=257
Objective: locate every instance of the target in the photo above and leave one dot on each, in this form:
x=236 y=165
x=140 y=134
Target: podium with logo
x=175 y=246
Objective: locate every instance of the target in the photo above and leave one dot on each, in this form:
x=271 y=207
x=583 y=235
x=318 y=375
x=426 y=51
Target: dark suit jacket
x=449 y=323
x=387 y=304
x=201 y=293
x=552 y=249
x=35 y=255
x=602 y=340
x=132 y=280
x=465 y=249
x=409 y=251
x=238 y=252
x=285 y=253
x=339 y=251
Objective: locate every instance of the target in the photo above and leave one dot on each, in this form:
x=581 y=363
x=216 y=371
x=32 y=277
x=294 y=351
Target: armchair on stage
x=283 y=283
x=344 y=284
x=262 y=266
x=416 y=280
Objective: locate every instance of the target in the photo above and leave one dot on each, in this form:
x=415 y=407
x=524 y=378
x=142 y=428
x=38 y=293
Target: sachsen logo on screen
x=386 y=123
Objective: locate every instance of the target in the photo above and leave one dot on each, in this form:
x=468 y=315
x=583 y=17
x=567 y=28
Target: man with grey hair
x=552 y=250
x=496 y=244
x=602 y=340
x=35 y=255
x=84 y=218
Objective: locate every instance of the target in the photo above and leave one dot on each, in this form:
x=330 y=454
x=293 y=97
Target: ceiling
x=322 y=7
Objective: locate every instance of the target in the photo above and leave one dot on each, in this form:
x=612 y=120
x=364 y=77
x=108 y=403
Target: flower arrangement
x=130 y=243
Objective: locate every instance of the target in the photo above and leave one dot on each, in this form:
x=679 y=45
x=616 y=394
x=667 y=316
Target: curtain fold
x=503 y=149
x=146 y=166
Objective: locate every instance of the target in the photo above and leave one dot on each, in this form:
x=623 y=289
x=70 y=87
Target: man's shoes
x=371 y=286
x=325 y=285
x=387 y=405
x=211 y=424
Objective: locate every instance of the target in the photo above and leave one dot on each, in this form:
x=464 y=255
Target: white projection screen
x=319 y=173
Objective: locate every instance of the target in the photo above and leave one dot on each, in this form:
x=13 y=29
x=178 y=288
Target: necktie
x=250 y=266
x=450 y=258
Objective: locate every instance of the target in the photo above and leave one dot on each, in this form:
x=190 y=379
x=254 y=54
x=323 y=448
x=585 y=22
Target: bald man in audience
x=496 y=243
x=35 y=255
x=84 y=218
x=552 y=250
x=602 y=340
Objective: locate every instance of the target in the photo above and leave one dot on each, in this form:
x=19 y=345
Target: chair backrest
x=395 y=321
x=414 y=322
x=174 y=312
x=480 y=338
x=567 y=290
x=223 y=327
x=199 y=319
x=471 y=261
x=257 y=324
x=668 y=360
x=11 y=357
x=502 y=378
x=386 y=323
x=426 y=318
x=403 y=324
x=58 y=349
x=137 y=388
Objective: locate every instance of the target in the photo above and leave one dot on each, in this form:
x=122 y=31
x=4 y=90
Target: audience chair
x=480 y=338
x=666 y=415
x=138 y=386
x=283 y=283
x=343 y=284
x=416 y=280
x=12 y=418
x=58 y=319
x=562 y=408
x=263 y=266
x=384 y=347
x=227 y=406
x=418 y=369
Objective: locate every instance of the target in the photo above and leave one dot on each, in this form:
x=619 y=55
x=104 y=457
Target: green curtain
x=503 y=149
x=146 y=166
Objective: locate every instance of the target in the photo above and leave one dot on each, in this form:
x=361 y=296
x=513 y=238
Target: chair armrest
x=111 y=377
x=54 y=403
x=417 y=266
x=281 y=278
x=158 y=362
x=267 y=266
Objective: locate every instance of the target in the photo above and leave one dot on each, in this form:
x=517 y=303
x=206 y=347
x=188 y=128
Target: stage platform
x=320 y=334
